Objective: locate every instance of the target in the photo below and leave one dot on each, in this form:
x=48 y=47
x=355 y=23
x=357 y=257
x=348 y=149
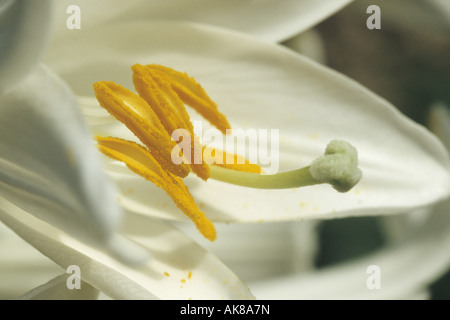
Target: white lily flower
x=404 y=166
x=304 y=137
x=214 y=66
x=55 y=195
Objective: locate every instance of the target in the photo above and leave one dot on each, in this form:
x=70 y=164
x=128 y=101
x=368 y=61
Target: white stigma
x=338 y=167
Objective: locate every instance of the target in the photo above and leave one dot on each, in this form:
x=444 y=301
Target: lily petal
x=56 y=289
x=272 y=20
x=23 y=36
x=261 y=85
x=181 y=269
x=49 y=165
x=22 y=267
x=439 y=122
x=406 y=269
x=416 y=257
x=442 y=5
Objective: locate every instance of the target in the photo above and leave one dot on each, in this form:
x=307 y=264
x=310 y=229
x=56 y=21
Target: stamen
x=135 y=113
x=228 y=160
x=338 y=167
x=155 y=88
x=141 y=161
x=192 y=94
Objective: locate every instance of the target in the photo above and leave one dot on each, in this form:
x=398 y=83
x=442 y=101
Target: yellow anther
x=229 y=160
x=135 y=113
x=192 y=94
x=141 y=161
x=156 y=89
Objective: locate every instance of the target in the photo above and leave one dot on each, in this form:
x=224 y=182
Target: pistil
x=338 y=167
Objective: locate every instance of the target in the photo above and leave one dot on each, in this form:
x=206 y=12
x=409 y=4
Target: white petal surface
x=48 y=164
x=417 y=256
x=22 y=267
x=439 y=122
x=24 y=27
x=443 y=5
x=273 y=20
x=180 y=268
x=264 y=86
x=406 y=270
x=56 y=289
x=262 y=250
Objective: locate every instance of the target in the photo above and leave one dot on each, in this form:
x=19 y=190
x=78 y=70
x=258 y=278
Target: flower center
x=158 y=110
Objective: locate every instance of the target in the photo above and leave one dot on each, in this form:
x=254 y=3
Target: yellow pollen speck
x=183 y=280
x=128 y=191
x=190 y=274
x=166 y=274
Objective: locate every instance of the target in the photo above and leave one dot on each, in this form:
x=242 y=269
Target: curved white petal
x=310 y=44
x=181 y=269
x=24 y=27
x=417 y=256
x=261 y=251
x=443 y=5
x=56 y=289
x=264 y=86
x=398 y=227
x=439 y=122
x=48 y=164
x=22 y=267
x=404 y=270
x=272 y=20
